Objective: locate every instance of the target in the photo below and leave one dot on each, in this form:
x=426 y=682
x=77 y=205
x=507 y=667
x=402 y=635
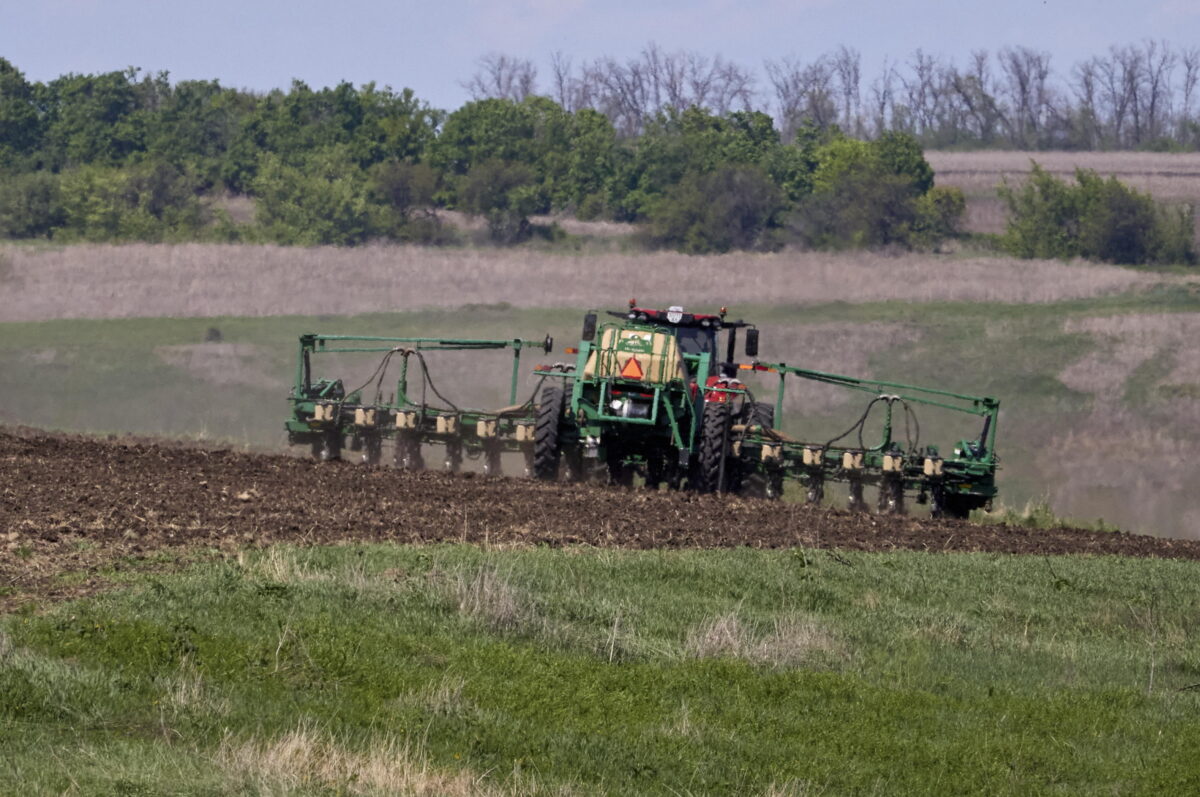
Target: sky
x=432 y=46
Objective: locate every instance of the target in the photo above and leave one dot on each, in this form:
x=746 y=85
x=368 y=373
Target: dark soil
x=76 y=505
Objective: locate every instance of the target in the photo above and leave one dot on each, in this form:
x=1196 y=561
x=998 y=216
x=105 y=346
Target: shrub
x=875 y=194
x=505 y=194
x=1096 y=218
x=402 y=195
x=735 y=207
x=30 y=205
x=324 y=203
x=151 y=201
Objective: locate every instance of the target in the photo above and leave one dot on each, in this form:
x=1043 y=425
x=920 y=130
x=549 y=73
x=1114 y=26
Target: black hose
x=910 y=420
x=858 y=425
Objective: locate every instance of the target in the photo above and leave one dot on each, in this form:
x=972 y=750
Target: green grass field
x=451 y=669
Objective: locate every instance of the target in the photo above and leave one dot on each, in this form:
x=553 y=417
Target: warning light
x=632 y=369
x=632 y=303
x=571 y=350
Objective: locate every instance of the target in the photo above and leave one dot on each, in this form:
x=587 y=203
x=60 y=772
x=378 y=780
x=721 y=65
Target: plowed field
x=76 y=505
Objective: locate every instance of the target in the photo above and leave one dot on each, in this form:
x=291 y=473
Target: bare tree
x=975 y=91
x=1027 y=73
x=1086 y=86
x=1157 y=72
x=502 y=76
x=847 y=65
x=1190 y=58
x=804 y=93
x=924 y=92
x=883 y=100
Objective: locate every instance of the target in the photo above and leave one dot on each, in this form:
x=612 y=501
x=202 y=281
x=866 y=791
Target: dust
x=232 y=364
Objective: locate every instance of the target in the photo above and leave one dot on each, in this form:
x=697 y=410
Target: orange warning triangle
x=632 y=369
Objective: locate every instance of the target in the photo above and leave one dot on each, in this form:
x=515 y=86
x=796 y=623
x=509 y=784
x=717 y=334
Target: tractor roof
x=667 y=318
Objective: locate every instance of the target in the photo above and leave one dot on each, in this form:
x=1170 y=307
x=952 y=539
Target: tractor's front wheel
x=714 y=440
x=546 y=451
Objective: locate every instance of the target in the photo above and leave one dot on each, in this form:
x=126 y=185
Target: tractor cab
x=696 y=337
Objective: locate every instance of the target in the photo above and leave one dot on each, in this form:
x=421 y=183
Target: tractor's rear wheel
x=714 y=440
x=755 y=479
x=546 y=451
x=954 y=506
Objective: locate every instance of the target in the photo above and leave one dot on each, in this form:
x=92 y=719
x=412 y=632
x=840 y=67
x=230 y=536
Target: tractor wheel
x=954 y=506
x=546 y=451
x=755 y=479
x=408 y=452
x=714 y=440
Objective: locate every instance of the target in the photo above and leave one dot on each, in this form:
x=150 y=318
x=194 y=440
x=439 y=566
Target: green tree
x=1096 y=218
x=505 y=194
x=150 y=201
x=696 y=142
x=733 y=207
x=20 y=126
x=323 y=202
x=90 y=119
x=30 y=205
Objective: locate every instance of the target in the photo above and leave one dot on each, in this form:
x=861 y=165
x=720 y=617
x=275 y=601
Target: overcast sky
x=432 y=46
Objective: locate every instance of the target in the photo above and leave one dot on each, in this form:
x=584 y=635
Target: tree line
x=128 y=155
x=1132 y=96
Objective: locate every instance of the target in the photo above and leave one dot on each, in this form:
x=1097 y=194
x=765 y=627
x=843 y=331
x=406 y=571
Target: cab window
x=694 y=340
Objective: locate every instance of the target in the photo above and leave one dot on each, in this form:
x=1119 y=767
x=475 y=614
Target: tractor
x=656 y=396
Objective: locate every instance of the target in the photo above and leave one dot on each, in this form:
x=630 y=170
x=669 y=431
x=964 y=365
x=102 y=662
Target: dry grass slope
x=1168 y=176
x=193 y=280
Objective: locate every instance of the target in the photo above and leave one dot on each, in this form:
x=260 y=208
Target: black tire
x=714 y=440
x=753 y=477
x=546 y=450
x=959 y=506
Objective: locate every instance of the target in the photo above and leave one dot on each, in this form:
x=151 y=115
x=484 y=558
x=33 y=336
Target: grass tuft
x=791 y=642
x=306 y=759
